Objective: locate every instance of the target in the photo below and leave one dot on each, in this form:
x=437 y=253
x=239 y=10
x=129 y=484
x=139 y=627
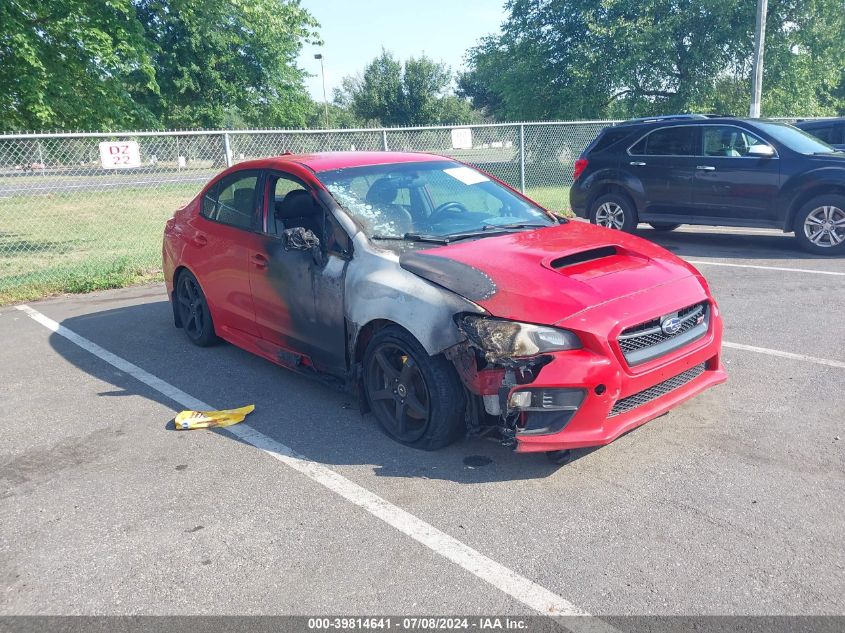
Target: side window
x=669 y=141
x=209 y=202
x=727 y=140
x=337 y=241
x=825 y=133
x=284 y=202
x=235 y=202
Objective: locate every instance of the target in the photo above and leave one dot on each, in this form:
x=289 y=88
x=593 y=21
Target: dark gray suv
x=718 y=171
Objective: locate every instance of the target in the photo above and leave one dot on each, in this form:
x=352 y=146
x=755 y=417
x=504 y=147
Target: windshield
x=795 y=139
x=435 y=199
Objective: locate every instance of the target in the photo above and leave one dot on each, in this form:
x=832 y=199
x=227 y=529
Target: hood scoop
x=596 y=262
x=584 y=256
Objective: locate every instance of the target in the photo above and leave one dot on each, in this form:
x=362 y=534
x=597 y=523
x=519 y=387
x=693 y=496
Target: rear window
x=608 y=137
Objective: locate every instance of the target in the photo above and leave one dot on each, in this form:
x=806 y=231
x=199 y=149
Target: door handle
x=200 y=240
x=706 y=168
x=637 y=163
x=259 y=261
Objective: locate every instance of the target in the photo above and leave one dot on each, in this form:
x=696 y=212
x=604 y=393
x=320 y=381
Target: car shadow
x=318 y=421
x=724 y=245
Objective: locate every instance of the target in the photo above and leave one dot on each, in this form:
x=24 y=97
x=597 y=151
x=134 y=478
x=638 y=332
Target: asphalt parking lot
x=731 y=504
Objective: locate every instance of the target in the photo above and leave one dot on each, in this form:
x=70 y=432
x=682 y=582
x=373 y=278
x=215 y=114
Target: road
x=729 y=505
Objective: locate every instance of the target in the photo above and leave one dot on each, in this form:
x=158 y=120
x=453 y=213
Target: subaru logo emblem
x=670 y=325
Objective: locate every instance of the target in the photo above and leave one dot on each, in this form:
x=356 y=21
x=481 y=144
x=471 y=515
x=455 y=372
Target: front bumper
x=619 y=398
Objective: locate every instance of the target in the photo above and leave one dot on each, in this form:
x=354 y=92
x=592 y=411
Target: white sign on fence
x=120 y=154
x=461 y=138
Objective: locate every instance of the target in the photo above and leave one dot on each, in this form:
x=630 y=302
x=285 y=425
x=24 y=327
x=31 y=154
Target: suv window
x=609 y=137
x=235 y=204
x=727 y=140
x=823 y=132
x=667 y=141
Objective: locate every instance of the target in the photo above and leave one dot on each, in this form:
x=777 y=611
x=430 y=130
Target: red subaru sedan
x=450 y=303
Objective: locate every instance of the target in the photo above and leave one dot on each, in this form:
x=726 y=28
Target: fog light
x=547 y=399
x=520 y=400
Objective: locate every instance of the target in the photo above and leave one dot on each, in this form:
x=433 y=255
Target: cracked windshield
x=430 y=200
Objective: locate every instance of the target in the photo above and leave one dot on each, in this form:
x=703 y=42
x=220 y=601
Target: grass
x=84 y=241
x=553 y=198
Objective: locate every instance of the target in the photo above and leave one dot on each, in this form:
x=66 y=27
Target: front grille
x=661 y=389
x=650 y=334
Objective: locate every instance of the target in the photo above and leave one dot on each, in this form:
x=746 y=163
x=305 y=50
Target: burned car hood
x=549 y=274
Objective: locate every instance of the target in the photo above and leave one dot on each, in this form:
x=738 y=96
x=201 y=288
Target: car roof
x=667 y=117
x=326 y=161
x=821 y=122
x=688 y=119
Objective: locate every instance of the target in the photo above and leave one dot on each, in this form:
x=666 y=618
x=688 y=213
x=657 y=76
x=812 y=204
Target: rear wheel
x=663 y=226
x=820 y=225
x=614 y=211
x=417 y=399
x=193 y=311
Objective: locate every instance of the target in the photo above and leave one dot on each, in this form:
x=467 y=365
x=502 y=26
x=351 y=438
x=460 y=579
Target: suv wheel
x=614 y=211
x=820 y=225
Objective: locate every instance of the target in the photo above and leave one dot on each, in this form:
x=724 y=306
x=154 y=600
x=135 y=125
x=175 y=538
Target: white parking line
x=518 y=587
x=780 y=354
x=697 y=262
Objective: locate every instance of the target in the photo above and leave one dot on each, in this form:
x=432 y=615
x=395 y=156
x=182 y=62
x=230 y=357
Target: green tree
x=617 y=58
x=392 y=94
x=220 y=60
x=339 y=117
x=73 y=64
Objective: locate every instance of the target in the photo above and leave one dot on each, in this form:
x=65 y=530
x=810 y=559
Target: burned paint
x=453 y=275
x=377 y=288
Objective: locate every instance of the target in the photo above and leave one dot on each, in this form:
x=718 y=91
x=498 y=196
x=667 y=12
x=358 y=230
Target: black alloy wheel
x=193 y=311
x=398 y=393
x=417 y=399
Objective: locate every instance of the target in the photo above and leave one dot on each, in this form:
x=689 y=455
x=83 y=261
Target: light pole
x=757 y=66
x=323 y=75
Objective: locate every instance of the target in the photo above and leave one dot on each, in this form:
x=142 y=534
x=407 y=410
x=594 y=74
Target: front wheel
x=820 y=225
x=417 y=399
x=614 y=211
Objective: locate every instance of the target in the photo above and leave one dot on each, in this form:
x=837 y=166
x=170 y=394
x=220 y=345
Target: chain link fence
x=85 y=211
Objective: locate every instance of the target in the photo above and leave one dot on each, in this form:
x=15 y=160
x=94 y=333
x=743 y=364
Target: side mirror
x=761 y=151
x=301 y=239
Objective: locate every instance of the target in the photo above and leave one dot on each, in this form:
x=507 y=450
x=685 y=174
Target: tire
x=561 y=458
x=417 y=399
x=614 y=211
x=194 y=314
x=663 y=226
x=820 y=225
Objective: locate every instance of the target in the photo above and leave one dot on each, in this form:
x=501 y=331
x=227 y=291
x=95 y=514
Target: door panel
x=219 y=242
x=298 y=295
x=730 y=184
x=664 y=162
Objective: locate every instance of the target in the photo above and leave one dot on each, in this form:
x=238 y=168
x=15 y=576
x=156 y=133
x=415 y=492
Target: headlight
x=500 y=339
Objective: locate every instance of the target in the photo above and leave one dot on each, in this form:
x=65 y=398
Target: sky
x=354 y=32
